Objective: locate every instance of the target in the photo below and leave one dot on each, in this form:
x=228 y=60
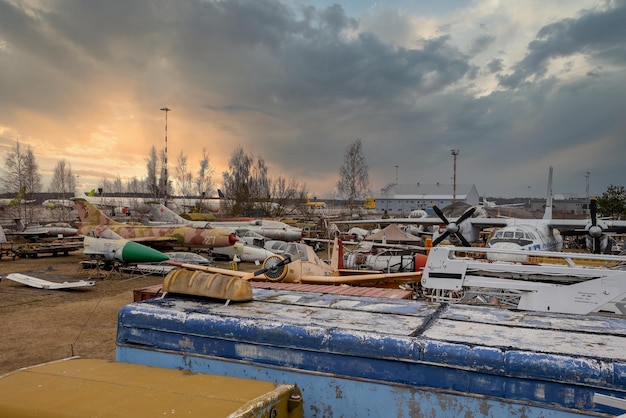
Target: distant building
x=573 y=206
x=404 y=198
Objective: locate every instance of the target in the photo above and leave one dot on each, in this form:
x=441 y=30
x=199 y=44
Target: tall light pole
x=587 y=174
x=454 y=152
x=165 y=109
x=397 y=174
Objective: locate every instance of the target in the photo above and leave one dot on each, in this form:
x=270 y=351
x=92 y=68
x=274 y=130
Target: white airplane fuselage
x=525 y=235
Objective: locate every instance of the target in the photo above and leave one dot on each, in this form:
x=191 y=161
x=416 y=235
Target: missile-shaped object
x=122 y=250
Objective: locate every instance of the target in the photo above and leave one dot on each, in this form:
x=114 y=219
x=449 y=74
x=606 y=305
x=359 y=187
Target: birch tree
x=353 y=181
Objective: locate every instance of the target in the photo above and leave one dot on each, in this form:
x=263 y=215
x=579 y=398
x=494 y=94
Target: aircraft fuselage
x=524 y=236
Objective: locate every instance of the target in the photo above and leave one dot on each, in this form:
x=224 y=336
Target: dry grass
x=38 y=325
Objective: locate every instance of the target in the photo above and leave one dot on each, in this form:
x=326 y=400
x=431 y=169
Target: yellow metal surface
x=98 y=388
x=211 y=285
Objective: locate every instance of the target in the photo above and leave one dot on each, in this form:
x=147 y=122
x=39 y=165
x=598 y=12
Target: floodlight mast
x=165 y=179
x=454 y=152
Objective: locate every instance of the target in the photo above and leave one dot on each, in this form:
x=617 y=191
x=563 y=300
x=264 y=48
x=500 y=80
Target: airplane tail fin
x=548 y=213
x=91 y=215
x=160 y=212
x=19 y=225
x=220 y=194
x=336 y=258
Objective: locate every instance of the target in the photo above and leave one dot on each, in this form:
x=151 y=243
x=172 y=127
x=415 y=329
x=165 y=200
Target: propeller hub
x=595 y=231
x=452 y=228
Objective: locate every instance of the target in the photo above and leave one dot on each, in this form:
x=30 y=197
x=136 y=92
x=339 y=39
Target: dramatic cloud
x=296 y=82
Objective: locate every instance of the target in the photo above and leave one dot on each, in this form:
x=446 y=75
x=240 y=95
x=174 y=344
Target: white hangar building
x=404 y=198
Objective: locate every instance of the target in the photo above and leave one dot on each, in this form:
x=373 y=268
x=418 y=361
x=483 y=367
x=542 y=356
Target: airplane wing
x=45 y=284
x=28 y=234
x=582 y=223
x=214 y=270
x=383 y=221
x=155 y=239
x=365 y=279
x=357 y=277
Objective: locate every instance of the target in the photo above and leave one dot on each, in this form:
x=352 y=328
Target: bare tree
x=22 y=175
x=284 y=195
x=259 y=183
x=33 y=178
x=63 y=181
x=117 y=186
x=204 y=181
x=15 y=169
x=184 y=177
x=237 y=183
x=135 y=186
x=152 y=166
x=248 y=186
x=354 y=174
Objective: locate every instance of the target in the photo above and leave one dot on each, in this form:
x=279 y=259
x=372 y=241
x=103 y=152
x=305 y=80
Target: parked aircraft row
x=544 y=234
x=267 y=228
x=51 y=230
x=94 y=222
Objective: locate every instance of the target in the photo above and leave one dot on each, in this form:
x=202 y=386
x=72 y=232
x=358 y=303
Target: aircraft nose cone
x=504 y=256
x=232 y=239
x=133 y=252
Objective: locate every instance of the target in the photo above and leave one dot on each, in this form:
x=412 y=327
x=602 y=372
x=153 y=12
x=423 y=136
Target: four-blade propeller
x=595 y=231
x=452 y=228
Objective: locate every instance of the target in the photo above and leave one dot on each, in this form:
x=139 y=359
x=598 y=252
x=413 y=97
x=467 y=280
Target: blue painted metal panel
x=330 y=396
x=399 y=343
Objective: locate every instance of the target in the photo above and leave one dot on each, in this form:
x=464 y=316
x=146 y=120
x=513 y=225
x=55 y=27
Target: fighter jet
x=94 y=222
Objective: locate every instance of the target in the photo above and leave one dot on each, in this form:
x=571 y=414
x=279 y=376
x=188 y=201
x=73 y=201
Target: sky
x=514 y=87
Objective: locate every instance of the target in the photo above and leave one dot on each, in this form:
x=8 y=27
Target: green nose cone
x=133 y=252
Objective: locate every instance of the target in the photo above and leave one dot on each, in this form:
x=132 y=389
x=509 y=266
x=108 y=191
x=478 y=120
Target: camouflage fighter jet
x=94 y=222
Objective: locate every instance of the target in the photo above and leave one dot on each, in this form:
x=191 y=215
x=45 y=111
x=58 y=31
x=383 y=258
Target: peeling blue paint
x=545 y=362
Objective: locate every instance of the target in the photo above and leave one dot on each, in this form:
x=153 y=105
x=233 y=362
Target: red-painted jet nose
x=232 y=239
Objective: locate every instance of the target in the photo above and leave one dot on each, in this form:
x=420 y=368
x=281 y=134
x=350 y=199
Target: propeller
x=274 y=266
x=452 y=228
x=595 y=231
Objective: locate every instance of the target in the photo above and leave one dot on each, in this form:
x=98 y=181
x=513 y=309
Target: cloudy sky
x=514 y=86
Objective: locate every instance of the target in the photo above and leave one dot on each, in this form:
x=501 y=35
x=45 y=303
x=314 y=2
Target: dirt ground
x=37 y=325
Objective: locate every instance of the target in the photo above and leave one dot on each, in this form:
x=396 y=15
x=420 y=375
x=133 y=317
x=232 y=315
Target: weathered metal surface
x=46 y=284
x=198 y=283
x=87 y=387
x=378 y=292
x=465 y=359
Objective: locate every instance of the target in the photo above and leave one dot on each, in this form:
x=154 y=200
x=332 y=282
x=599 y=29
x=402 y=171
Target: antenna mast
x=454 y=152
x=165 y=180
